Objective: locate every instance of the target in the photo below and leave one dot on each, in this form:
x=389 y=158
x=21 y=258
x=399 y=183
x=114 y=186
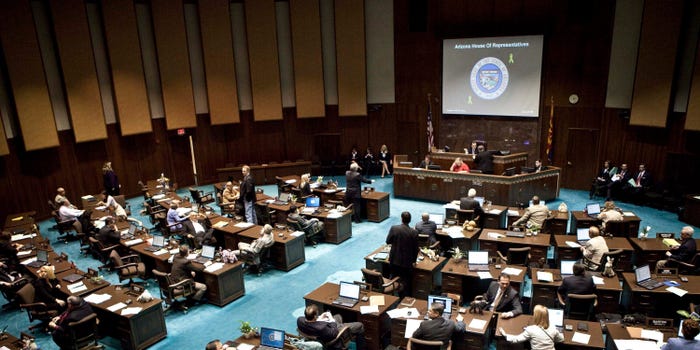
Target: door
x=581 y=158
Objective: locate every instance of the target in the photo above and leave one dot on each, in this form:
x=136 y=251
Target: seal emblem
x=489 y=78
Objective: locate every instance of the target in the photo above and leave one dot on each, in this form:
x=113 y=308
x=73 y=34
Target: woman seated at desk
x=45 y=288
x=458 y=166
x=541 y=334
x=610 y=213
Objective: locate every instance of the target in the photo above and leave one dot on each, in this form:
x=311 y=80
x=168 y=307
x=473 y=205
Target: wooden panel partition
x=128 y=79
x=308 y=64
x=350 y=52
x=26 y=73
x=692 y=117
x=79 y=72
x=174 y=63
x=217 y=44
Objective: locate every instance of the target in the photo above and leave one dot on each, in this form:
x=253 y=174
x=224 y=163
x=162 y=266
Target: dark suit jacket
x=438 y=329
x=354 y=182
x=305 y=190
x=466 y=203
x=645 y=180
x=404 y=245
x=625 y=177
x=182 y=267
x=484 y=161
x=108 y=235
x=576 y=285
x=423 y=165
x=76 y=314
x=427 y=228
x=509 y=302
x=686 y=251
x=325 y=331
x=248 y=188
x=200 y=237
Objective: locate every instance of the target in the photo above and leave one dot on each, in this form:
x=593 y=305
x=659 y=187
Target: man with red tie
x=642 y=182
x=77 y=310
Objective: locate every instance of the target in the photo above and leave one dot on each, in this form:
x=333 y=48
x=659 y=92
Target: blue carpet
x=275 y=299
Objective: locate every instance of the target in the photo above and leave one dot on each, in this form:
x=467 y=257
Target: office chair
x=465 y=215
x=688 y=268
x=516 y=256
x=35 y=311
x=200 y=197
x=227 y=209
x=581 y=306
x=65 y=227
x=9 y=292
x=264 y=215
x=341 y=341
x=616 y=229
x=418 y=344
x=155 y=213
x=282 y=186
x=255 y=261
x=102 y=252
x=122 y=201
x=128 y=267
x=171 y=292
x=83 y=333
x=615 y=254
x=312 y=228
x=380 y=283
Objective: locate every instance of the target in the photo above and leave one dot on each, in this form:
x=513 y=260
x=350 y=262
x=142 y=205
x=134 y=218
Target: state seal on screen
x=489 y=78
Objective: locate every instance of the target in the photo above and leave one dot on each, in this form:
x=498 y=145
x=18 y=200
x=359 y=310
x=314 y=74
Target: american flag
x=430 y=126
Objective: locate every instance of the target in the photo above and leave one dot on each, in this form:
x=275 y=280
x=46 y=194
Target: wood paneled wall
x=577 y=45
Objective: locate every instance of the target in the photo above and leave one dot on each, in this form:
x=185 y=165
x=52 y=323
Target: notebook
x=445 y=301
x=72 y=278
x=478 y=260
x=208 y=253
x=582 y=235
x=643 y=276
x=42 y=258
x=271 y=339
x=157 y=243
x=593 y=209
x=556 y=318
x=349 y=294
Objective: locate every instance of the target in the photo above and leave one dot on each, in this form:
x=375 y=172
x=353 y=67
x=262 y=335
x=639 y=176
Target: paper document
x=4 y=348
x=455 y=232
x=628 y=213
x=368 y=309
x=131 y=311
x=376 y=300
x=97 y=298
x=582 y=338
x=101 y=207
x=297 y=233
x=598 y=280
x=573 y=244
x=670 y=242
x=28 y=261
x=635 y=344
x=485 y=275
x=77 y=287
x=160 y=252
x=192 y=256
x=512 y=271
x=133 y=242
x=244 y=346
x=545 y=276
x=494 y=235
x=243 y=224
x=513 y=212
x=652 y=334
x=477 y=324
x=677 y=291
x=405 y=312
x=632 y=183
x=451 y=206
x=411 y=326
x=174 y=251
x=495 y=211
x=24 y=252
x=220 y=224
x=87 y=197
x=214 y=267
x=116 y=307
x=334 y=215
x=291 y=181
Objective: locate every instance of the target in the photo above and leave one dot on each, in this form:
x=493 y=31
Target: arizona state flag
x=550 y=132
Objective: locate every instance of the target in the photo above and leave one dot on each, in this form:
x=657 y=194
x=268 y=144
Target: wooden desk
x=19 y=219
x=467 y=241
x=134 y=332
x=54 y=260
x=545 y=293
x=630 y=223
x=515 y=325
x=425 y=272
x=565 y=252
x=658 y=302
x=375 y=205
x=377 y=324
x=443 y=186
x=456 y=278
x=265 y=173
x=224 y=285
x=227 y=234
x=91 y=285
x=538 y=244
x=619 y=331
x=153 y=260
x=11 y=342
x=648 y=251
x=472 y=339
x=557 y=223
x=337 y=229
x=286 y=253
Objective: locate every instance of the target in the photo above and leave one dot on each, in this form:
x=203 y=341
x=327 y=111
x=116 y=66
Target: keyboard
x=650 y=284
x=478 y=267
x=151 y=248
x=202 y=260
x=518 y=234
x=279 y=203
x=344 y=301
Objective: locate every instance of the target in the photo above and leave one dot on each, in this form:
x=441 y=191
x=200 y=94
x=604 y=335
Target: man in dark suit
x=437 y=327
x=484 y=159
x=426 y=162
x=248 y=195
x=199 y=230
x=184 y=269
x=683 y=252
x=353 y=193
x=108 y=234
x=579 y=283
x=325 y=327
x=404 y=251
x=469 y=203
x=77 y=310
x=618 y=181
x=642 y=183
x=502 y=298
x=427 y=227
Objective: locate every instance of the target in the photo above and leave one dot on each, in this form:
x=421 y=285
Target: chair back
x=419 y=344
x=465 y=215
x=26 y=294
x=194 y=194
x=581 y=306
x=616 y=229
x=615 y=254
x=116 y=259
x=374 y=279
x=341 y=341
x=83 y=333
x=519 y=256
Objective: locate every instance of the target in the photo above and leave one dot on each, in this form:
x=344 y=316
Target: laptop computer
x=643 y=276
x=593 y=209
x=480 y=200
x=438 y=219
x=283 y=198
x=518 y=234
x=567 y=267
x=271 y=339
x=157 y=243
x=582 y=235
x=208 y=253
x=42 y=258
x=445 y=301
x=313 y=202
x=478 y=260
x=130 y=232
x=349 y=294
x=556 y=318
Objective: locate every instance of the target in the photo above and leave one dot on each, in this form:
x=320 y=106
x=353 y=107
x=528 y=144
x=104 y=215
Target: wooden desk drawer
x=451 y=284
x=568 y=254
x=491 y=247
x=492 y=222
x=608 y=301
x=545 y=296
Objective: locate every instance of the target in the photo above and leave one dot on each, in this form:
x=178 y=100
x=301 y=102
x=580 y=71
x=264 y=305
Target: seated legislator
x=265 y=240
x=46 y=288
x=541 y=334
x=534 y=215
x=539 y=166
x=230 y=193
x=427 y=227
x=111 y=203
x=385 y=160
x=579 y=283
x=458 y=166
x=184 y=269
x=77 y=310
x=426 y=162
x=325 y=326
x=68 y=212
x=603 y=179
x=61 y=197
x=469 y=203
x=216 y=345
x=8 y=250
x=690 y=330
x=437 y=327
x=473 y=149
x=633 y=190
x=199 y=230
x=618 y=181
x=173 y=217
x=305 y=185
x=683 y=252
x=503 y=298
x=594 y=248
x=108 y=234
x=610 y=213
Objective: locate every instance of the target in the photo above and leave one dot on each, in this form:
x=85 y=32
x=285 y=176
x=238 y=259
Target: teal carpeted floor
x=275 y=299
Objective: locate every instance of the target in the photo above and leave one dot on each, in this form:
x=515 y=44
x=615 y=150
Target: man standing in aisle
x=248 y=195
x=353 y=193
x=404 y=251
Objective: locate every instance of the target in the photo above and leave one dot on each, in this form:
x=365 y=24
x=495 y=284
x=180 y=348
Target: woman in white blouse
x=541 y=335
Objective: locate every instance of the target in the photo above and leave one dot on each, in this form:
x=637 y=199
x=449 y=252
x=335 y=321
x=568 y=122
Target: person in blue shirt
x=690 y=330
x=174 y=219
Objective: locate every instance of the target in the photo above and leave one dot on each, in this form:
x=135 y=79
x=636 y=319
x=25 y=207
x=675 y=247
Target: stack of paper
x=670 y=242
x=477 y=324
x=598 y=280
x=97 y=298
x=214 y=267
x=512 y=271
x=220 y=224
x=545 y=276
x=485 y=275
x=131 y=311
x=116 y=307
x=76 y=287
x=573 y=244
x=243 y=224
x=133 y=242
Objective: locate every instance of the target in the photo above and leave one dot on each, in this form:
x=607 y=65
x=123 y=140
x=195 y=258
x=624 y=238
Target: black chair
x=341 y=341
x=616 y=229
x=581 y=306
x=380 y=283
x=9 y=291
x=614 y=254
x=227 y=209
x=35 y=311
x=128 y=267
x=255 y=261
x=200 y=197
x=264 y=215
x=312 y=228
x=65 y=227
x=102 y=252
x=171 y=293
x=688 y=268
x=516 y=256
x=83 y=333
x=419 y=344
x=283 y=186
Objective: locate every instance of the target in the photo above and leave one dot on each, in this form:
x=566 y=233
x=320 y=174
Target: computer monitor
x=480 y=200
x=284 y=196
x=272 y=338
x=567 y=267
x=434 y=167
x=642 y=273
x=509 y=172
x=313 y=202
x=556 y=317
x=349 y=290
x=132 y=229
x=476 y=257
x=158 y=241
x=439 y=219
x=593 y=208
x=445 y=301
x=582 y=234
x=208 y=251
